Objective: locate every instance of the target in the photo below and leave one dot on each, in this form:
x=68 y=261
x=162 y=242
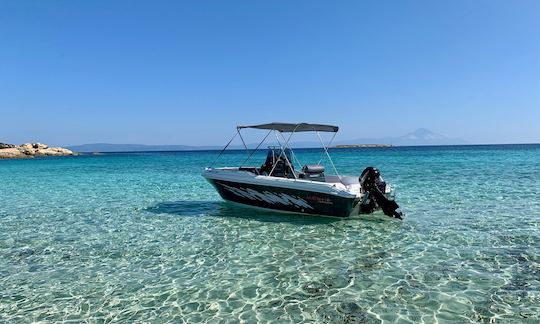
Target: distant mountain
x=107 y=147
x=420 y=136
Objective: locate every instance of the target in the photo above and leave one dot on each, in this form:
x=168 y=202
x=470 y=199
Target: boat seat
x=313 y=173
x=280 y=167
x=314 y=168
x=283 y=170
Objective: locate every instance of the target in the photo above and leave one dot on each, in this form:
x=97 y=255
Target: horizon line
x=310 y=148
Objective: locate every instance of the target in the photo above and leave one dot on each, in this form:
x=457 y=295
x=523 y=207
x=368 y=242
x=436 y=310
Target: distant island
x=30 y=150
x=108 y=147
x=361 y=145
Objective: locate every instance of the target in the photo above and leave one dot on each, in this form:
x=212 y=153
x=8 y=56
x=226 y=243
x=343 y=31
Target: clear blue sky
x=186 y=72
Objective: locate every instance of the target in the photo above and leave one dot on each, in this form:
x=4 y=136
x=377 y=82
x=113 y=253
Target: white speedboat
x=278 y=185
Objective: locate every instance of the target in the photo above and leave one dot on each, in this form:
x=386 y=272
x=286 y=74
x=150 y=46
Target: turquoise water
x=143 y=237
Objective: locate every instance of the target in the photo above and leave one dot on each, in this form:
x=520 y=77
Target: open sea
x=143 y=237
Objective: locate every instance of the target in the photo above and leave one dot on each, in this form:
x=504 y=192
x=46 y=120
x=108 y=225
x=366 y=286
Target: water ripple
x=143 y=238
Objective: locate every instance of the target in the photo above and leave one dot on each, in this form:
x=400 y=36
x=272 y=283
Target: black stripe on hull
x=284 y=199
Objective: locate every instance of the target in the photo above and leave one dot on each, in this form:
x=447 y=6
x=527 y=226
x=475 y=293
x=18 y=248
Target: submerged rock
x=314 y=288
x=8 y=151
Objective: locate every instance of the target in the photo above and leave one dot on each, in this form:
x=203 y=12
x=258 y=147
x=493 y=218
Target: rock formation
x=30 y=150
x=4 y=146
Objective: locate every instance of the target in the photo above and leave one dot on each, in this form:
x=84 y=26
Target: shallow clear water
x=144 y=237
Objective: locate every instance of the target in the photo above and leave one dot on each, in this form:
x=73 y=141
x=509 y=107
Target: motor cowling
x=371 y=176
x=374 y=186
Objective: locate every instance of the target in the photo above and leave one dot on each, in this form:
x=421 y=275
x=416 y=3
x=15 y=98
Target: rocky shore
x=29 y=150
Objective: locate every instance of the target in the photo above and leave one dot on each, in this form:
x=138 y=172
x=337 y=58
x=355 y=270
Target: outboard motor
x=373 y=185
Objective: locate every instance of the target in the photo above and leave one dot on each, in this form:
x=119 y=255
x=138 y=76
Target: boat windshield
x=274 y=152
x=278 y=163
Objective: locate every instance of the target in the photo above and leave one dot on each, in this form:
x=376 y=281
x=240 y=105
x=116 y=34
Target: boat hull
x=285 y=199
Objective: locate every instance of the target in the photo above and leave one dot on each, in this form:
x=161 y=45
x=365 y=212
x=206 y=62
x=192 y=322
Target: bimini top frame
x=280 y=128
